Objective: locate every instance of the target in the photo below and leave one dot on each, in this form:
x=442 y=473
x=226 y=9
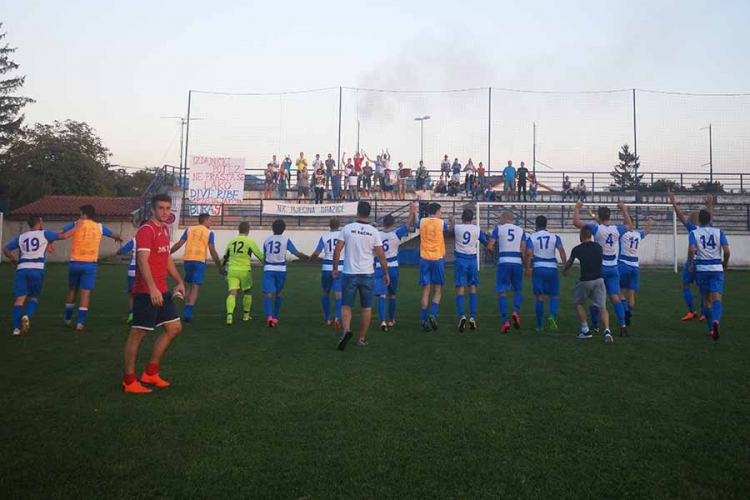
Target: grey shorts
x=593 y=291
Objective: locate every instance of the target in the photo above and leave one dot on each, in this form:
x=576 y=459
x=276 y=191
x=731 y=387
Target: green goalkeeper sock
x=231 y=301
x=247 y=302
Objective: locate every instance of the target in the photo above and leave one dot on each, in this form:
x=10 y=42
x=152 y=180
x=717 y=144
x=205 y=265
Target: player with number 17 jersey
x=540 y=250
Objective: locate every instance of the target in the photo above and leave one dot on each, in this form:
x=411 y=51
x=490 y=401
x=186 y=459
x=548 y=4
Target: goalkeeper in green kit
x=237 y=257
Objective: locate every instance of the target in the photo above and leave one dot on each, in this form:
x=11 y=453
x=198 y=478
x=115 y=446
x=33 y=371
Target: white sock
x=584 y=327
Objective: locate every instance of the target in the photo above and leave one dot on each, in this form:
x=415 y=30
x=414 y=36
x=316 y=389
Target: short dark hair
x=363 y=209
x=388 y=220
x=278 y=226
x=334 y=223
x=203 y=217
x=541 y=222
x=704 y=217
x=604 y=214
x=244 y=227
x=433 y=208
x=89 y=211
x=34 y=220
x=163 y=197
x=467 y=215
x=586 y=233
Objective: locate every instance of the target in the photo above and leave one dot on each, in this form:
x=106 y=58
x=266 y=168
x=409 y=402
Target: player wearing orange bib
x=432 y=231
x=198 y=240
x=84 y=254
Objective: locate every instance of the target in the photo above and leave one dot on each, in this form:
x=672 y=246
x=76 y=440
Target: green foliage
x=664 y=185
x=10 y=105
x=708 y=187
x=624 y=172
x=132 y=183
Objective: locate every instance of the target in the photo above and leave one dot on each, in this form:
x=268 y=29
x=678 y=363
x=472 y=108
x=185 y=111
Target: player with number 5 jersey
x=705 y=256
x=465 y=269
x=511 y=246
x=326 y=246
x=629 y=268
x=540 y=250
x=607 y=235
x=274 y=269
x=29 y=279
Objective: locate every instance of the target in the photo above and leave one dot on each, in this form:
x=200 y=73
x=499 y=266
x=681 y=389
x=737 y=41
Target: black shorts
x=147 y=316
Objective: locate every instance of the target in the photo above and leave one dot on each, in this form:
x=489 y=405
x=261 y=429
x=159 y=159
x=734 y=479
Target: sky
x=122 y=66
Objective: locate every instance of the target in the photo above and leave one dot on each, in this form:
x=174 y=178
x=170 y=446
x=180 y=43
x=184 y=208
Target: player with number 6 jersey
x=238 y=263
x=705 y=256
x=540 y=250
x=629 y=268
x=274 y=269
x=608 y=235
x=511 y=243
x=467 y=236
x=326 y=246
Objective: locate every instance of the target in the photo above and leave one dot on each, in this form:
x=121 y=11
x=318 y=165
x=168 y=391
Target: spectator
x=471 y=173
x=275 y=168
x=353 y=180
x=567 y=188
x=481 y=172
x=320 y=185
x=445 y=166
x=454 y=185
x=283 y=177
x=441 y=187
x=510 y=177
x=580 y=191
x=330 y=163
x=422 y=174
x=287 y=165
x=303 y=185
x=521 y=179
x=358 y=159
x=403 y=174
x=377 y=179
x=301 y=165
x=366 y=179
x=424 y=196
x=268 y=182
x=532 y=187
x=456 y=167
x=336 y=183
x=317 y=163
x=386 y=184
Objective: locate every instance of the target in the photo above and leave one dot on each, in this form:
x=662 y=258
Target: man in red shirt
x=152 y=302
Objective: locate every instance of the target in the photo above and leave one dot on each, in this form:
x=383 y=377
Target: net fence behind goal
x=659 y=248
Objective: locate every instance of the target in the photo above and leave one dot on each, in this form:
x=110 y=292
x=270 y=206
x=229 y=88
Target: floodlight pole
x=635 y=148
x=710 y=155
x=421 y=120
x=187 y=145
x=533 y=153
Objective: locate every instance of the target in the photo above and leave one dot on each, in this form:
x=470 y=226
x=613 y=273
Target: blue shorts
x=380 y=288
x=147 y=316
x=195 y=272
x=465 y=272
x=688 y=278
x=611 y=277
x=28 y=283
x=273 y=281
x=630 y=277
x=545 y=281
x=82 y=275
x=431 y=272
x=328 y=284
x=351 y=283
x=710 y=281
x=507 y=277
x=131 y=280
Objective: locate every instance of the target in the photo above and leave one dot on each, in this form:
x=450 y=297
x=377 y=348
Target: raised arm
x=649 y=225
x=577 y=222
x=625 y=215
x=676 y=208
x=412 y=220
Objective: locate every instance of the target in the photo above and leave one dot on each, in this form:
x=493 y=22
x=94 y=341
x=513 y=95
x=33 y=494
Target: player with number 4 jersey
x=608 y=235
x=511 y=246
x=705 y=257
x=326 y=246
x=540 y=250
x=629 y=268
x=467 y=236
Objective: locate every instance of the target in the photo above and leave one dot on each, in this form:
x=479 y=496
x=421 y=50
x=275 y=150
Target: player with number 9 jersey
x=511 y=246
x=467 y=237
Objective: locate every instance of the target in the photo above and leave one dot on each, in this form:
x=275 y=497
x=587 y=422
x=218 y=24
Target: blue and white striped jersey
x=608 y=237
x=467 y=239
x=544 y=245
x=708 y=242
x=509 y=238
x=274 y=249
x=127 y=248
x=391 y=242
x=33 y=247
x=630 y=247
x=327 y=245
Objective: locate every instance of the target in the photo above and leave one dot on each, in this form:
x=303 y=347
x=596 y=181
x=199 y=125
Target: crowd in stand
x=361 y=176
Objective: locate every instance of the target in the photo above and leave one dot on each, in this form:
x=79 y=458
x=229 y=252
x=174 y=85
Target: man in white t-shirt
x=361 y=241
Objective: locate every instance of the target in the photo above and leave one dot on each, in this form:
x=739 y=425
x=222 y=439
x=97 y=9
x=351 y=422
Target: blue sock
x=267 y=306
x=517 y=300
x=391 y=308
x=82 y=313
x=424 y=314
x=594 y=312
x=460 y=305
x=539 y=309
x=688 y=299
x=709 y=314
x=325 y=301
x=473 y=305
x=188 y=311
x=31 y=307
x=381 y=308
x=277 y=306
x=434 y=309
x=17 y=315
x=338 y=308
x=502 y=304
x=554 y=303
x=620 y=312
x=69 y=308
x=717 y=310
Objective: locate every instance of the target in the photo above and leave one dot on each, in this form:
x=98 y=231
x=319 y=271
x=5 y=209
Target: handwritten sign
x=212 y=210
x=329 y=210
x=216 y=181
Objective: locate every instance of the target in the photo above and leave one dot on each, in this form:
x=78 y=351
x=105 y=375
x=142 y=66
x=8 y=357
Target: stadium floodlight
x=710 y=155
x=183 y=122
x=421 y=120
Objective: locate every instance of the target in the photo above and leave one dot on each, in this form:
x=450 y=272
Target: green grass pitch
x=261 y=413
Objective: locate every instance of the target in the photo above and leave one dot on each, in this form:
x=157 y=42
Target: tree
x=65 y=158
x=134 y=184
x=624 y=172
x=10 y=106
